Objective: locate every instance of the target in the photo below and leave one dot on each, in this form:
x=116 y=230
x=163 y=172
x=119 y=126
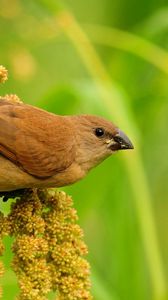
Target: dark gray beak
x=122 y=141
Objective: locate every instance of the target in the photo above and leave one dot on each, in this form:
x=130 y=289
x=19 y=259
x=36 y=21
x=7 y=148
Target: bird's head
x=97 y=139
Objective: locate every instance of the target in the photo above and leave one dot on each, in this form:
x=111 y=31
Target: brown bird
x=41 y=149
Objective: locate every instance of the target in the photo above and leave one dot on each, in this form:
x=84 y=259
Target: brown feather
x=30 y=137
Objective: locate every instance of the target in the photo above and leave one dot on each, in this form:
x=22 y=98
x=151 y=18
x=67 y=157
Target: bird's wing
x=39 y=142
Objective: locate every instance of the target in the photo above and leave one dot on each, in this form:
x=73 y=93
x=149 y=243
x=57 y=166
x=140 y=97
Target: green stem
x=131 y=43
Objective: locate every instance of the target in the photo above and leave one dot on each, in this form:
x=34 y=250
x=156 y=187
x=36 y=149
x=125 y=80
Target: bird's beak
x=121 y=142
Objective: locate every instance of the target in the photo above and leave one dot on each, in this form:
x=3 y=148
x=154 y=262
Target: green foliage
x=124 y=229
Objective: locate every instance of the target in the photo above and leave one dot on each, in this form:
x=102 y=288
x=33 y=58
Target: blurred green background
x=109 y=58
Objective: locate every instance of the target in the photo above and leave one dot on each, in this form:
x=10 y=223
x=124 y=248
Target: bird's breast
x=13 y=178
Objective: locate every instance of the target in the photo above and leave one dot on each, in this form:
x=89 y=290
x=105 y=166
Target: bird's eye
x=99 y=132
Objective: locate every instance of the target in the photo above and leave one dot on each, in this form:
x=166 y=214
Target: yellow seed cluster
x=48 y=246
x=70 y=271
x=25 y=215
x=34 y=278
x=30 y=248
x=3 y=77
x=3 y=74
x=12 y=98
